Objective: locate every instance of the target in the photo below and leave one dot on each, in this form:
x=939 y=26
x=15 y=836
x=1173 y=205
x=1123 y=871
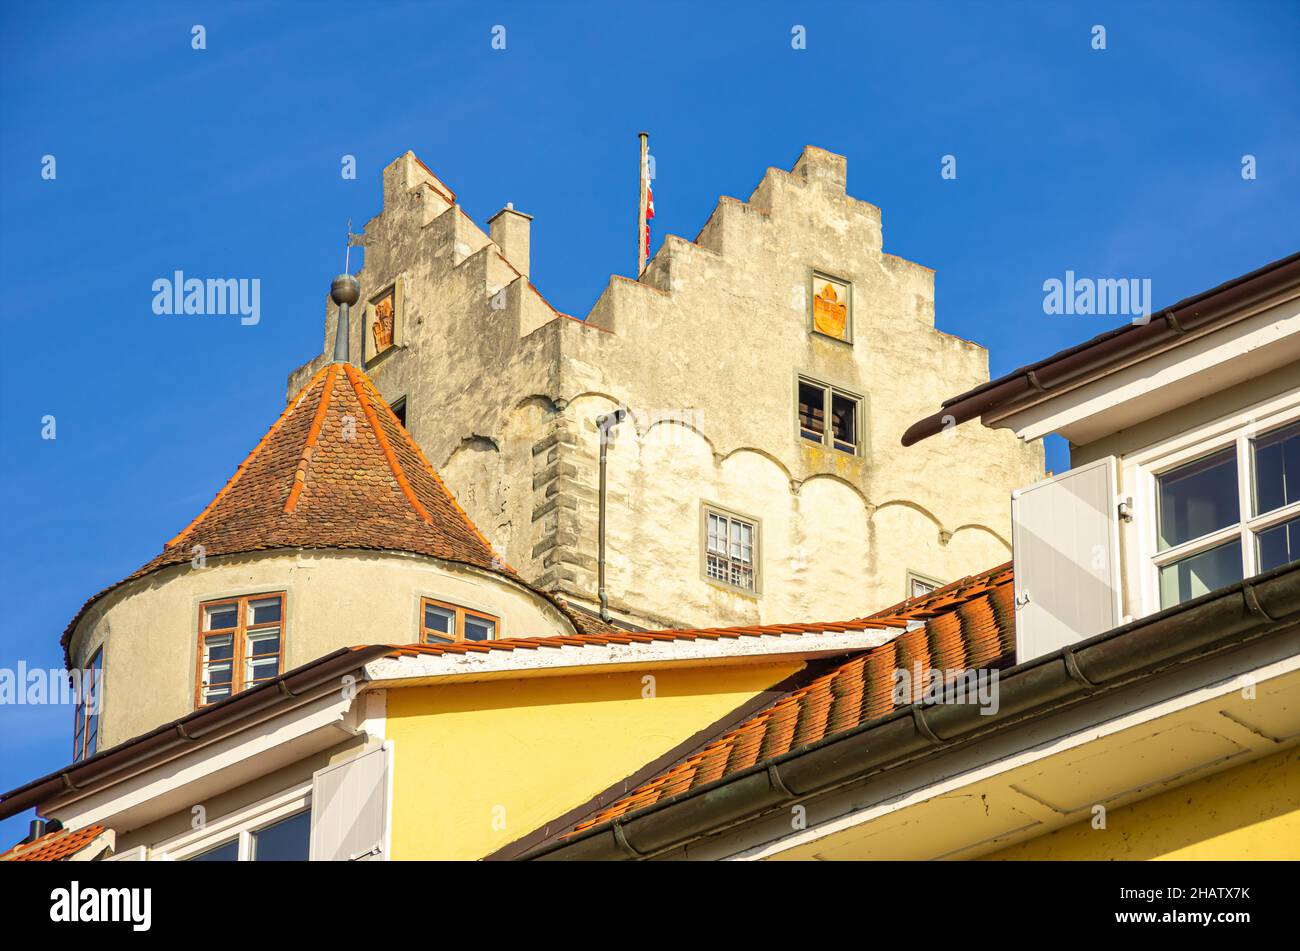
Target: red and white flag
x=649 y=206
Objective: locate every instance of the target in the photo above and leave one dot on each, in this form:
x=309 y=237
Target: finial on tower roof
x=345 y=290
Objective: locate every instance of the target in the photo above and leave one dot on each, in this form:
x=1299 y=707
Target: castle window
x=241 y=645
x=88 y=690
x=730 y=550
x=446 y=623
x=845 y=411
x=918 y=585
x=398 y=406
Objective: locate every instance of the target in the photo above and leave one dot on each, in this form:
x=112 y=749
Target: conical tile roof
x=336 y=470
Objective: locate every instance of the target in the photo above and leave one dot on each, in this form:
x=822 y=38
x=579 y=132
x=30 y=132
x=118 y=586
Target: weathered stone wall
x=502 y=393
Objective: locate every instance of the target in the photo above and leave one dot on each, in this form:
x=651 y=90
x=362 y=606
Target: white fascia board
x=1191 y=369
x=426 y=669
x=205 y=768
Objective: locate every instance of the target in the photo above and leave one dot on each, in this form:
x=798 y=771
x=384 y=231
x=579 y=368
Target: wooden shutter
x=1065 y=541
x=349 y=810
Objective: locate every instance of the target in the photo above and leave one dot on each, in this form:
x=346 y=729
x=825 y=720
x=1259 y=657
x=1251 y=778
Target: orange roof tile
x=336 y=470
x=967 y=624
x=53 y=846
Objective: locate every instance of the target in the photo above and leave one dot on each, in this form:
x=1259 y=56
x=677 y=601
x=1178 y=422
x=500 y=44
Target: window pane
x=920 y=588
x=286 y=841
x=261 y=669
x=1279 y=545
x=264 y=643
x=717 y=533
x=1198 y=498
x=221 y=617
x=479 y=629
x=265 y=611
x=1277 y=468
x=226 y=852
x=812 y=411
x=1197 y=574
x=717 y=567
x=219 y=648
x=844 y=422
x=439 y=623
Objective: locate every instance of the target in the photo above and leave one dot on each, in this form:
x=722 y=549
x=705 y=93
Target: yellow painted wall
x=1249 y=812
x=479 y=765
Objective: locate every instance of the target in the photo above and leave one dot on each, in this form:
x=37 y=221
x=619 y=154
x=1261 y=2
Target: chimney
x=510 y=232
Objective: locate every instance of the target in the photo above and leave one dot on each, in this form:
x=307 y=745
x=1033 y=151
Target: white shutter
x=1065 y=542
x=138 y=854
x=349 y=809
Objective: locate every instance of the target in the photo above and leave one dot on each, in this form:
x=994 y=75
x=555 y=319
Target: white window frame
x=1141 y=470
x=241 y=823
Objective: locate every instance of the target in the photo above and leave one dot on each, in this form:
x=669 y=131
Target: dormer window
x=1229 y=514
x=241 y=644
x=445 y=623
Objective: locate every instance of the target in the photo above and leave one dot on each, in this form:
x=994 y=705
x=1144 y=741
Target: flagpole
x=641 y=206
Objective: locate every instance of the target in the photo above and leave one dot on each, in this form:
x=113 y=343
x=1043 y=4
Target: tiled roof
x=639 y=637
x=53 y=846
x=336 y=470
x=969 y=624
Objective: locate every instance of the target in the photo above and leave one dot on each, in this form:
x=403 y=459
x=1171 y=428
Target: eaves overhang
x=1174 y=326
x=281 y=694
x=410 y=666
x=1216 y=622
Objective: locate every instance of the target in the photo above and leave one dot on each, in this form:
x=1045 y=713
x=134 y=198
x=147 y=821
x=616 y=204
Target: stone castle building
x=767 y=370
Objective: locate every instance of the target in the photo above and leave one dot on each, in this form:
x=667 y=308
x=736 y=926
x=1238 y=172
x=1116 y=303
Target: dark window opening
x=812 y=412
x=398 y=407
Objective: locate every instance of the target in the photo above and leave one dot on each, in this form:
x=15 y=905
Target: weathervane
x=353 y=241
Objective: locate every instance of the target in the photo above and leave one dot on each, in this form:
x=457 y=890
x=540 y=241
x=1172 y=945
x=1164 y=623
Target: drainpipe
x=605 y=424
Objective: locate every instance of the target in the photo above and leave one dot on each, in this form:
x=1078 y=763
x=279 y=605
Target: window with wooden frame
x=241 y=644
x=88 y=690
x=829 y=416
x=444 y=623
x=731 y=550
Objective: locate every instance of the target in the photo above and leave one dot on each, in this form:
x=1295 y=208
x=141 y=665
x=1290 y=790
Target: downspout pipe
x=605 y=425
x=1215 y=622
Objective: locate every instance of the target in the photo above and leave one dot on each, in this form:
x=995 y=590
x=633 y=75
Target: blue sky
x=225 y=162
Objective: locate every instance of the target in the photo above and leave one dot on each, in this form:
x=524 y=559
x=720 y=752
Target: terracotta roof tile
x=967 y=624
x=336 y=470
x=53 y=846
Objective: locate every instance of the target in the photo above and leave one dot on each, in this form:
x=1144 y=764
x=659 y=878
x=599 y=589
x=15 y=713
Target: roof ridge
x=248 y=460
x=300 y=475
x=393 y=464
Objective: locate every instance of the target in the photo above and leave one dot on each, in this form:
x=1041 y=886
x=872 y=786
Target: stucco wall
x=502 y=394
x=333 y=599
x=1250 y=812
x=477 y=766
